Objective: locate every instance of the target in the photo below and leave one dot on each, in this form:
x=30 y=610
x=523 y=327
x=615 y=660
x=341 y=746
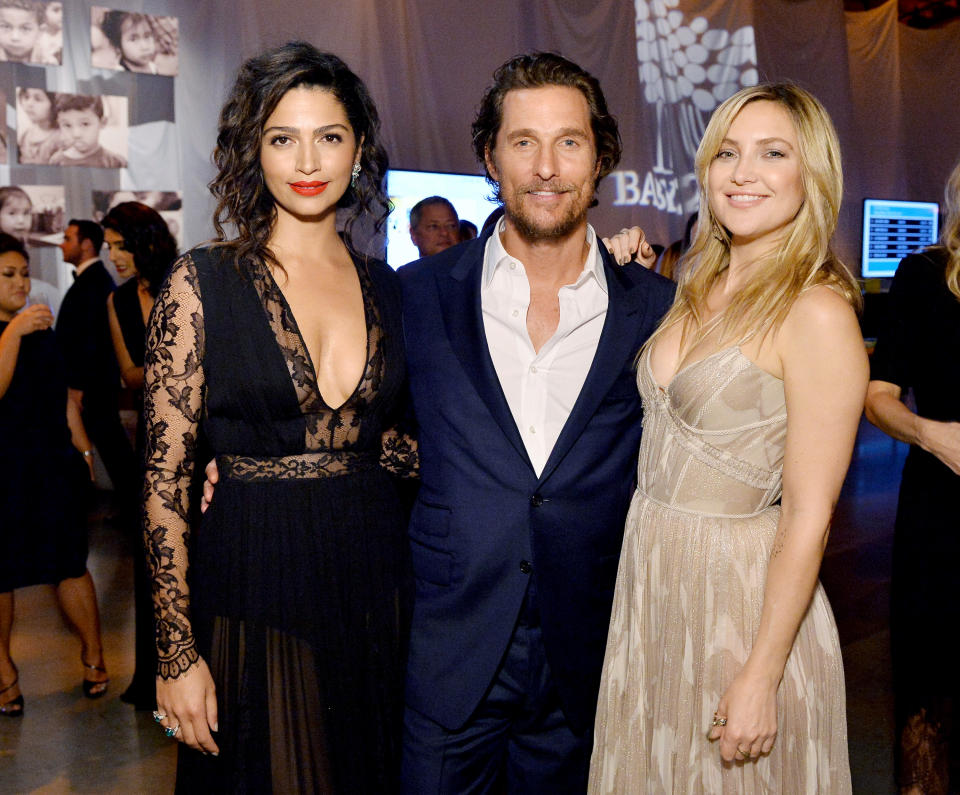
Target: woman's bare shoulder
x=821 y=309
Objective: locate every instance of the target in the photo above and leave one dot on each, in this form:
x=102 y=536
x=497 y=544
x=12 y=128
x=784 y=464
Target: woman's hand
x=885 y=409
x=34 y=318
x=629 y=244
x=750 y=709
x=91 y=470
x=190 y=703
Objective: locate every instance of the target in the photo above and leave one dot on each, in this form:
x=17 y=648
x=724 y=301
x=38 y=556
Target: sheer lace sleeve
x=173 y=399
x=399 y=454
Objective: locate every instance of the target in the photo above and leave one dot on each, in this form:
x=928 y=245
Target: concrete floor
x=65 y=743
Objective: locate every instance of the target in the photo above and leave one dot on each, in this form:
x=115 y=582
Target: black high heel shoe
x=14 y=707
x=91 y=688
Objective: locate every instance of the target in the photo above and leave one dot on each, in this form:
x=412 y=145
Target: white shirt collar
x=85 y=264
x=496 y=256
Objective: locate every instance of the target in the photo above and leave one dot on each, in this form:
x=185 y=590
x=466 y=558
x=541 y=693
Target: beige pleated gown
x=689 y=596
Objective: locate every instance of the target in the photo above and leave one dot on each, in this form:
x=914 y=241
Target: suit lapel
x=459 y=290
x=618 y=341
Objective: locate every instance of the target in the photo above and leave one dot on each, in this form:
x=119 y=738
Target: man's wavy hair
x=538 y=70
x=147 y=237
x=243 y=200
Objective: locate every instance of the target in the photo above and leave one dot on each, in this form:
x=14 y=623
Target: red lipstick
x=309 y=188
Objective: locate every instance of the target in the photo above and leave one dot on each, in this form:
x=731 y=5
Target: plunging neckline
x=311 y=368
x=666 y=387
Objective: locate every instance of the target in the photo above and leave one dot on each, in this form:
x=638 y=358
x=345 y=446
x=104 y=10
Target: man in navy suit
x=520 y=348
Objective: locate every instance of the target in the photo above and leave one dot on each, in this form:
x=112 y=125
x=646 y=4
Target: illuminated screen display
x=468 y=193
x=892 y=229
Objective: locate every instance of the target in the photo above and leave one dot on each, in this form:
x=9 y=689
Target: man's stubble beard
x=533 y=230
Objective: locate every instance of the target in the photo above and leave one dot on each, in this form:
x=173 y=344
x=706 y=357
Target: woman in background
x=723 y=670
x=281 y=658
x=43 y=479
x=919 y=350
x=142 y=250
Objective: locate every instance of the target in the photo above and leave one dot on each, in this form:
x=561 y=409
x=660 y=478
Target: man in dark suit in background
x=93 y=376
x=434 y=225
x=520 y=348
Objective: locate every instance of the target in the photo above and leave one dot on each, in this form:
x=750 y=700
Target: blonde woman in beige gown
x=723 y=670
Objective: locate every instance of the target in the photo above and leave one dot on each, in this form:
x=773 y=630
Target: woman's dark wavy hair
x=538 y=70
x=147 y=237
x=242 y=197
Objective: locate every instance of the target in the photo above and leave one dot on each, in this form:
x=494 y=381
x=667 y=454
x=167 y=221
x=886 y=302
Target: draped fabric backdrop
x=664 y=65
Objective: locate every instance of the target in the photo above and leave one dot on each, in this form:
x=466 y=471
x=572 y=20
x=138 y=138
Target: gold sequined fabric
x=690 y=592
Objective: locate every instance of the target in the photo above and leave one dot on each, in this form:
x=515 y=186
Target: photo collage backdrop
x=89 y=119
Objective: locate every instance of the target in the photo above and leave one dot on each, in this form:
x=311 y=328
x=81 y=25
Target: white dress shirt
x=541 y=388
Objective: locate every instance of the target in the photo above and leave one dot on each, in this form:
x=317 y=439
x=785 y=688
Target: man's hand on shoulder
x=213 y=475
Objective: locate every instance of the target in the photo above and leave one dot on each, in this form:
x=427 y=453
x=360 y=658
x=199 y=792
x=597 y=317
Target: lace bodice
x=713 y=438
x=252 y=390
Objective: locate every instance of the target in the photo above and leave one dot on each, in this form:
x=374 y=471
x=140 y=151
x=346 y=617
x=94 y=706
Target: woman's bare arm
x=888 y=412
x=825 y=377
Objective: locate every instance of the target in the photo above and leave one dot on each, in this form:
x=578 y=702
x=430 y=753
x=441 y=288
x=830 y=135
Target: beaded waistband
x=296 y=467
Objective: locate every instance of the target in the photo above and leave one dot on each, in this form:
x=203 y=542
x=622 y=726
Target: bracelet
x=87 y=453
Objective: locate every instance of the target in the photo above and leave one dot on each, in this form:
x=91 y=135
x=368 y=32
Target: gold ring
x=718 y=721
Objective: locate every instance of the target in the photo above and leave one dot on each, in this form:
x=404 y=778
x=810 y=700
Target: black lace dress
x=298 y=582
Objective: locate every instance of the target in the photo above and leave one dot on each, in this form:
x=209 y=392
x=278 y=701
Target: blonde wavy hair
x=802 y=260
x=950 y=238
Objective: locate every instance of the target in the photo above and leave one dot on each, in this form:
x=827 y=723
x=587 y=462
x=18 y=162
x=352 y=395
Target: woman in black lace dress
x=281 y=616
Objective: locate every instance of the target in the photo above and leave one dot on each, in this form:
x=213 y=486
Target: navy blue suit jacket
x=483 y=520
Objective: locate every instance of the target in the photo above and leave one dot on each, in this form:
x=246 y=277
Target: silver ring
x=171 y=732
x=158 y=716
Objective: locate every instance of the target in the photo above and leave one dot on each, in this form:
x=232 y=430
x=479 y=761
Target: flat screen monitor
x=468 y=193
x=892 y=229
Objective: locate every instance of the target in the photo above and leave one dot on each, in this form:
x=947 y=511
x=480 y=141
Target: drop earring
x=355 y=174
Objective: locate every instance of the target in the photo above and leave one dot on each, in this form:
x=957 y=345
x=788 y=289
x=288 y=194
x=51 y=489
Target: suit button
x=536 y=500
x=526 y=566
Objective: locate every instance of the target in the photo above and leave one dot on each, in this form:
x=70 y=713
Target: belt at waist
x=302 y=466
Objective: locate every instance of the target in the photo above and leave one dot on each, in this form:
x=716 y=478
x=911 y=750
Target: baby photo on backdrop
x=33 y=213
x=31 y=32
x=71 y=129
x=134 y=42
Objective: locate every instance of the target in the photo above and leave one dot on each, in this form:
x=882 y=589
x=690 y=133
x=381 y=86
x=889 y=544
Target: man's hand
x=213 y=475
x=630 y=244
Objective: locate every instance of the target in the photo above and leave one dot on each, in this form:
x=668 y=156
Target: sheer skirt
x=304 y=630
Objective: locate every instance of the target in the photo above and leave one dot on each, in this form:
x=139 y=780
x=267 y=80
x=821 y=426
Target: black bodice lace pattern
x=175 y=406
